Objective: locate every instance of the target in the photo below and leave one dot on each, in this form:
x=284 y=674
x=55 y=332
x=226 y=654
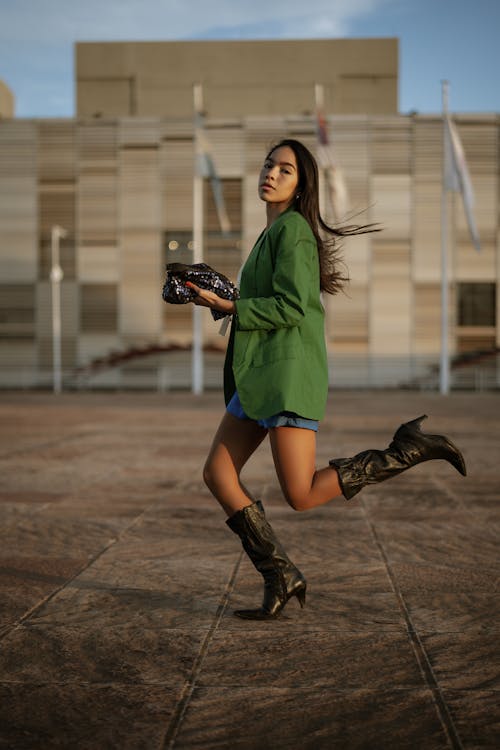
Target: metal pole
x=319 y=97
x=56 y=276
x=444 y=369
x=197 y=352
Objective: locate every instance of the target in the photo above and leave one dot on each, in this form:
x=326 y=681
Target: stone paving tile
x=198 y=574
x=465 y=661
x=32 y=498
x=322 y=539
x=426 y=579
x=389 y=502
x=12 y=512
x=346 y=578
x=341 y=661
x=105 y=604
x=47 y=536
x=84 y=717
x=164 y=522
x=458 y=540
x=444 y=612
x=270 y=718
x=27 y=581
x=126 y=654
x=133 y=555
x=476 y=717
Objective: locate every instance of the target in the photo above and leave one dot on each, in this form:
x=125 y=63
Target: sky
x=456 y=40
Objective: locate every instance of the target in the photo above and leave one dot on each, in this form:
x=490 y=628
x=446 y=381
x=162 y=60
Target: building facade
x=119 y=180
x=122 y=190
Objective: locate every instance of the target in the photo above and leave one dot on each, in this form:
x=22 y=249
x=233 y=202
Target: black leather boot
x=282 y=579
x=408 y=448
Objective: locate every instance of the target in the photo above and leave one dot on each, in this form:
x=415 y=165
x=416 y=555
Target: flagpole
x=56 y=276
x=444 y=369
x=197 y=351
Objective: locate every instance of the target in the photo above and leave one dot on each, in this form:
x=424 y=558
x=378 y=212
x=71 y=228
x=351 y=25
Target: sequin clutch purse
x=175 y=291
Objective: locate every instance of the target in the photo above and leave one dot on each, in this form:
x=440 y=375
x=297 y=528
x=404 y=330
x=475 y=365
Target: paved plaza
x=118 y=577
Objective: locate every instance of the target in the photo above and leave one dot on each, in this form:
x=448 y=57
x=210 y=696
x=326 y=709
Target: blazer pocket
x=260 y=359
x=276 y=347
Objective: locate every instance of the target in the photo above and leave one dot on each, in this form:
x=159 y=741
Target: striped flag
x=337 y=189
x=457 y=178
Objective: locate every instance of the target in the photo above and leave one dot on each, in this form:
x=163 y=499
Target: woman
x=276 y=377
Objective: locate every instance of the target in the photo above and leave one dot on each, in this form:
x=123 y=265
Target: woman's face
x=279 y=178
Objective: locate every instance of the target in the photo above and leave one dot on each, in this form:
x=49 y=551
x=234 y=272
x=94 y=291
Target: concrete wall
x=155 y=79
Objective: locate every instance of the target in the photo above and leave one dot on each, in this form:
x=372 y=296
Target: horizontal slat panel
x=390 y=301
x=176 y=165
x=391 y=201
x=98 y=308
x=56 y=151
x=18 y=202
x=17 y=311
x=427 y=318
x=391 y=145
x=98 y=264
x=347 y=315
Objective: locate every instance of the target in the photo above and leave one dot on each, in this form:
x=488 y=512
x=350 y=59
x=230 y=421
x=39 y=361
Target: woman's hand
x=204 y=298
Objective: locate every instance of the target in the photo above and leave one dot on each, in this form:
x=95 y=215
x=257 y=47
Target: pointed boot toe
x=427 y=446
x=456 y=459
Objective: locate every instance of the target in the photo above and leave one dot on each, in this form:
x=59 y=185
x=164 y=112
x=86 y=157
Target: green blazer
x=276 y=355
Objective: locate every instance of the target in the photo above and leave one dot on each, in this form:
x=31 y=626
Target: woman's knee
x=209 y=475
x=296 y=500
x=218 y=478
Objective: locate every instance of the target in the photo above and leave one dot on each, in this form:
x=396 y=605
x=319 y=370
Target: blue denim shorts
x=283 y=419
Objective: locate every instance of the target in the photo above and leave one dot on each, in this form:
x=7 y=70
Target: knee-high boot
x=282 y=579
x=408 y=448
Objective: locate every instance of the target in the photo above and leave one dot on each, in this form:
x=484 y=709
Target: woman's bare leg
x=294 y=454
x=232 y=446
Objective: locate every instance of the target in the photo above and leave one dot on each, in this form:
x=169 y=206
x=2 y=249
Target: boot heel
x=301 y=596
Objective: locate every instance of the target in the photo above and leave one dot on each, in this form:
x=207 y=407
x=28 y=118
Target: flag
x=457 y=178
x=337 y=190
x=206 y=167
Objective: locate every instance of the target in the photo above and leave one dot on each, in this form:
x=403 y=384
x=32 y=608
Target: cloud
x=37 y=36
x=54 y=21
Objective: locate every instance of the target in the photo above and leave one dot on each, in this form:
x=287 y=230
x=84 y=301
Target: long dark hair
x=333 y=273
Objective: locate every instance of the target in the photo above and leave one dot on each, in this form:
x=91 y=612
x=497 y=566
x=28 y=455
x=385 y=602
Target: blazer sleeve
x=295 y=269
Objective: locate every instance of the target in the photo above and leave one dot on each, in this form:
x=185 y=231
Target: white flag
x=207 y=168
x=457 y=176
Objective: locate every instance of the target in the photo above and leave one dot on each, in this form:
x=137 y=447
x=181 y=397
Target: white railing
x=172 y=371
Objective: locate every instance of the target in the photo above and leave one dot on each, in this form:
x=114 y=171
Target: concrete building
x=120 y=183
x=240 y=79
